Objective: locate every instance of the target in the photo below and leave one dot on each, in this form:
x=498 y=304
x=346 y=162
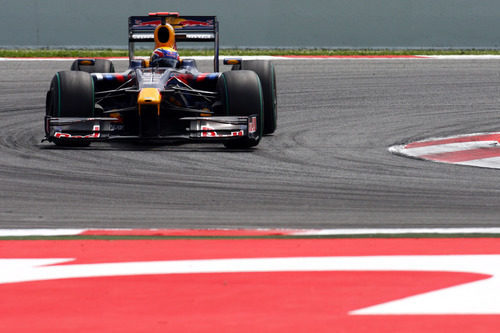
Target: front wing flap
x=222 y=127
x=195 y=129
x=79 y=128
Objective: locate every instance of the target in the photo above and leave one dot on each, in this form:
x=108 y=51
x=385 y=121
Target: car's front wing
x=194 y=129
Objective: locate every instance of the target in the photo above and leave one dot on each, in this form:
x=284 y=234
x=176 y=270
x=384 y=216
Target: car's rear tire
x=71 y=94
x=99 y=66
x=265 y=71
x=241 y=95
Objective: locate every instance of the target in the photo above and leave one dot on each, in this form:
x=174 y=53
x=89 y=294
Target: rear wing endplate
x=187 y=29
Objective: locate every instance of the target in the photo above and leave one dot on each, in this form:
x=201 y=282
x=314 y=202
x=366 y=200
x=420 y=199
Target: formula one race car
x=163 y=98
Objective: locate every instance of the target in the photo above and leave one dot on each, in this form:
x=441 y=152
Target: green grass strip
x=83 y=53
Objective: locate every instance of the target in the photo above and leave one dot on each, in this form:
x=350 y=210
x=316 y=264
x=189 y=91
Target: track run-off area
x=248 y=280
x=326 y=225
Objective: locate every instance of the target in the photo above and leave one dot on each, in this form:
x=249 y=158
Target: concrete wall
x=262 y=23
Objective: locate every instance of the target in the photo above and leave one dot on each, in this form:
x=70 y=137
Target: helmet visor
x=164 y=62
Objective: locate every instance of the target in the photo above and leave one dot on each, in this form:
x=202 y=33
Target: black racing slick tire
x=97 y=66
x=241 y=95
x=71 y=94
x=267 y=75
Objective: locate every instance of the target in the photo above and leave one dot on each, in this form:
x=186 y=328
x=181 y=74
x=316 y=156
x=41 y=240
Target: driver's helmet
x=164 y=57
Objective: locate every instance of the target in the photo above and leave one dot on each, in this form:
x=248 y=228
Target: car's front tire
x=71 y=94
x=241 y=95
x=267 y=75
x=98 y=66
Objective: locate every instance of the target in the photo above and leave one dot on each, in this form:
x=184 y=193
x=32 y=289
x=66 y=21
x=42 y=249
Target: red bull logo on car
x=176 y=22
x=191 y=23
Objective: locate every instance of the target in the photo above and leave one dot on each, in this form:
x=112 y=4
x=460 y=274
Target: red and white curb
x=243 y=232
x=479 y=150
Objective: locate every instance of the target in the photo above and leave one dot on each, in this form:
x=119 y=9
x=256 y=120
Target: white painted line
x=291 y=232
x=39 y=232
x=466 y=57
x=477 y=297
x=393 y=231
x=56 y=59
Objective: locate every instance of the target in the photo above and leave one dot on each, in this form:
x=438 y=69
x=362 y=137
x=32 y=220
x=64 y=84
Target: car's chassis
x=184 y=114
x=166 y=104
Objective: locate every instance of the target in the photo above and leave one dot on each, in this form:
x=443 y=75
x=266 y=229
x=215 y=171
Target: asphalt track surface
x=327 y=165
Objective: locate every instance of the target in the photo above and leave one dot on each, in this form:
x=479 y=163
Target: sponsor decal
x=192 y=23
x=238 y=133
x=209 y=132
x=143 y=36
x=177 y=22
x=95 y=134
x=141 y=23
x=200 y=36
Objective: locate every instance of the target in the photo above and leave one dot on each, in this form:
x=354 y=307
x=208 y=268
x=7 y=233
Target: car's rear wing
x=187 y=29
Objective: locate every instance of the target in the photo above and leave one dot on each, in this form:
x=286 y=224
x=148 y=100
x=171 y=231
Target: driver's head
x=164 y=57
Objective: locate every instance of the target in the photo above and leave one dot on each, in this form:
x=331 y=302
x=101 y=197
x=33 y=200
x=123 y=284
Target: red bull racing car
x=163 y=98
